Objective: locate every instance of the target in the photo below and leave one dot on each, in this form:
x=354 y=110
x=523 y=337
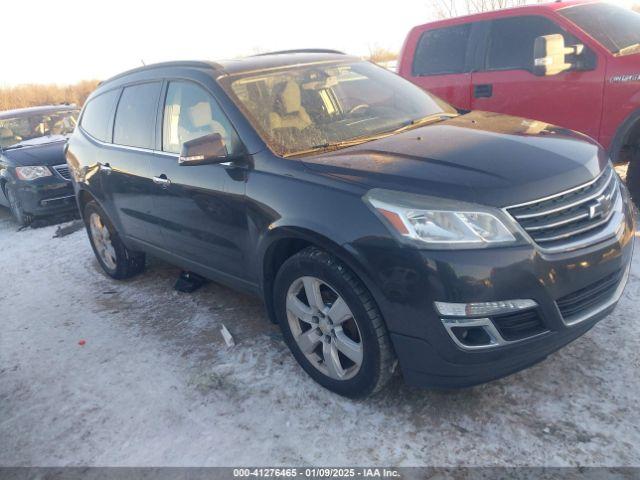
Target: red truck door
x=506 y=83
x=437 y=60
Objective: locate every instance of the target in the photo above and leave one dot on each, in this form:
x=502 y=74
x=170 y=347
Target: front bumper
x=46 y=196
x=406 y=283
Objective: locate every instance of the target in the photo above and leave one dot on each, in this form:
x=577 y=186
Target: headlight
x=440 y=223
x=31 y=173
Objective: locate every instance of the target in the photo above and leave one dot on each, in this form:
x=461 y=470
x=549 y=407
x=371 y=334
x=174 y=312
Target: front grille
x=589 y=297
x=570 y=216
x=517 y=326
x=63 y=171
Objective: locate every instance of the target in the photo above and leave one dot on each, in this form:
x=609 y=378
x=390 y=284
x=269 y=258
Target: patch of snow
x=155 y=384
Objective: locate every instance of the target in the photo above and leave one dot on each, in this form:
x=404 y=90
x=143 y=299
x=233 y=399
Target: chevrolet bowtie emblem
x=599 y=207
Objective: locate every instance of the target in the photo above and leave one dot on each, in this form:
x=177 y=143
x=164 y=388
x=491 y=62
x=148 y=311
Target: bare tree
x=379 y=54
x=454 y=8
x=33 y=95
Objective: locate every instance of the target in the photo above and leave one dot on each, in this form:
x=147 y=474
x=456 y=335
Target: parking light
x=483 y=309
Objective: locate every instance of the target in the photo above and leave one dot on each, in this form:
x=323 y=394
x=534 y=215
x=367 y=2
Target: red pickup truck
x=574 y=63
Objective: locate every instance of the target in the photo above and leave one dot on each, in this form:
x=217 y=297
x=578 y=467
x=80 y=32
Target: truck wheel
x=19 y=215
x=114 y=257
x=633 y=177
x=332 y=325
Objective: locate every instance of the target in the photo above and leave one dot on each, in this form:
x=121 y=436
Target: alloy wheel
x=102 y=241
x=324 y=328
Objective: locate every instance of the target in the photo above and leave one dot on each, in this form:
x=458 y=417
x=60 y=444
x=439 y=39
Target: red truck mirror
x=550 y=55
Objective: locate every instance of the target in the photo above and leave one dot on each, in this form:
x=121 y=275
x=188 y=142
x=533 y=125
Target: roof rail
x=178 y=63
x=300 y=50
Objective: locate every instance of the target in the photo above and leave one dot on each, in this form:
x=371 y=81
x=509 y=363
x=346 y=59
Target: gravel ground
x=155 y=385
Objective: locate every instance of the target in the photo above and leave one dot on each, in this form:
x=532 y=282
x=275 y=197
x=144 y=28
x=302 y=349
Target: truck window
x=97 y=115
x=136 y=116
x=511 y=41
x=442 y=51
x=616 y=28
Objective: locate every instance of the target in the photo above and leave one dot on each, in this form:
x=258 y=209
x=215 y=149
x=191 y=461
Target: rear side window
x=512 y=39
x=96 y=118
x=442 y=51
x=136 y=116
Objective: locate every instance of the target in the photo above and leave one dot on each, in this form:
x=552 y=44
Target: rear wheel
x=332 y=324
x=114 y=257
x=17 y=212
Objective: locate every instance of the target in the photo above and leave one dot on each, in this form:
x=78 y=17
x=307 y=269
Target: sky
x=68 y=41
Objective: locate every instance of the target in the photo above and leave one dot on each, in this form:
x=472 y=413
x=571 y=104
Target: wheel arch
x=82 y=198
x=285 y=242
x=627 y=130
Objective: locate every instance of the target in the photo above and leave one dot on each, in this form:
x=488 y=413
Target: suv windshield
x=19 y=129
x=616 y=28
x=306 y=108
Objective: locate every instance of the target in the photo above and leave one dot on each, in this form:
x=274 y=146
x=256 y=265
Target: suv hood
x=38 y=153
x=480 y=157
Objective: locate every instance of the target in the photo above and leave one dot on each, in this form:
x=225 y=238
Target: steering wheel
x=358 y=108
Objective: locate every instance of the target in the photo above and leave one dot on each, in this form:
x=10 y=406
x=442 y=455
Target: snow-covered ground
x=155 y=384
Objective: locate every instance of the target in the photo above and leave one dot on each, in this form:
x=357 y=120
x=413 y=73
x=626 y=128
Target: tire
x=633 y=178
x=22 y=218
x=354 y=339
x=113 y=256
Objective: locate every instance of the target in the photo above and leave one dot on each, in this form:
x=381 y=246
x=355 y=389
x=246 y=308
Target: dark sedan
x=34 y=178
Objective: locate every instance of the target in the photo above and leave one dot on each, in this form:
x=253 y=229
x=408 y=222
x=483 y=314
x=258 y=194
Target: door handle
x=106 y=168
x=484 y=90
x=162 y=180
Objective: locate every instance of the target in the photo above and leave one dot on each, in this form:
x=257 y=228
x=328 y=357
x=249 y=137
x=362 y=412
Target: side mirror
x=204 y=150
x=550 y=55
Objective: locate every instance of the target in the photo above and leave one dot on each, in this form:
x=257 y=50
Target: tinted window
x=96 y=118
x=511 y=41
x=189 y=113
x=442 y=51
x=617 y=28
x=136 y=116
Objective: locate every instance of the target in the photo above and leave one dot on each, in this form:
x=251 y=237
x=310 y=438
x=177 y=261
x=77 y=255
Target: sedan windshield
x=20 y=129
x=615 y=27
x=314 y=107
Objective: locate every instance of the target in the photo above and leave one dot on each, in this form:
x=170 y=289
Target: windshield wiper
x=420 y=122
x=330 y=146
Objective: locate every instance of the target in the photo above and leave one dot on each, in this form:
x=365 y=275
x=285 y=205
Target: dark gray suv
x=381 y=226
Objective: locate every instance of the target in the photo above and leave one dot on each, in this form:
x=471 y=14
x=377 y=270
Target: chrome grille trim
x=63 y=171
x=564 y=221
x=592 y=196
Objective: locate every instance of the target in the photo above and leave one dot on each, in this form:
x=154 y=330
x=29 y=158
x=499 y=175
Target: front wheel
x=114 y=257
x=332 y=324
x=22 y=218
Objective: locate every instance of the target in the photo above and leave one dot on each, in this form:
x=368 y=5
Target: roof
x=245 y=64
x=523 y=9
x=25 y=112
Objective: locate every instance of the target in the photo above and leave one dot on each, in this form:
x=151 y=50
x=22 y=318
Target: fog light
x=472 y=336
x=483 y=309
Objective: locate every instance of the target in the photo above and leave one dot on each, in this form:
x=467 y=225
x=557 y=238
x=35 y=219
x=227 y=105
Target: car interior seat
x=288 y=111
x=200 y=118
